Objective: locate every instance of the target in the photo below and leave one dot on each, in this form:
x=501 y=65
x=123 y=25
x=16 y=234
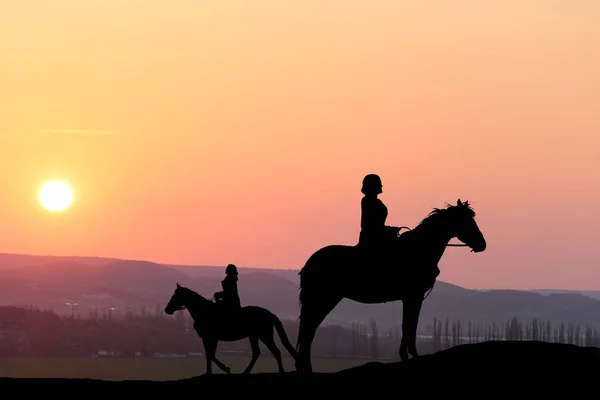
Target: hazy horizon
x=228 y=132
x=200 y=265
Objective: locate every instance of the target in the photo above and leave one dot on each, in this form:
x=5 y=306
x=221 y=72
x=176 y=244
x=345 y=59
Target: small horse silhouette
x=408 y=271
x=213 y=325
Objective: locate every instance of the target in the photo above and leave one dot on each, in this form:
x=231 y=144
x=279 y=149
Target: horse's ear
x=178 y=286
x=458 y=202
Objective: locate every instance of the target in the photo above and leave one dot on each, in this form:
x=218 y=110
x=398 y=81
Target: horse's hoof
x=403 y=355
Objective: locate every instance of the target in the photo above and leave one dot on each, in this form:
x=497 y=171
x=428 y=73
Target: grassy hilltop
x=509 y=364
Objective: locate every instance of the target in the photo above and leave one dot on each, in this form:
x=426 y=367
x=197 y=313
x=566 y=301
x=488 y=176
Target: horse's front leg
x=410 y=321
x=403 y=352
x=415 y=307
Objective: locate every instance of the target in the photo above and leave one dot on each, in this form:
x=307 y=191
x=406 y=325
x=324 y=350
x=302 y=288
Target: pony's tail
x=283 y=337
x=299 y=329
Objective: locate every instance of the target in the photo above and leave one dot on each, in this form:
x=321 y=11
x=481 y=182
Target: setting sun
x=56 y=196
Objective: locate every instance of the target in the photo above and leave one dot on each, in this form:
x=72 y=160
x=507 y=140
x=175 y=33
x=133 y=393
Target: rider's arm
x=366 y=210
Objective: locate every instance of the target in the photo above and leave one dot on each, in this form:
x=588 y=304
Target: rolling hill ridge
x=51 y=282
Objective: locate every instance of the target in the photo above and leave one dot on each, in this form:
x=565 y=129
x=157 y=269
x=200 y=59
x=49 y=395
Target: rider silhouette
x=374 y=234
x=229 y=296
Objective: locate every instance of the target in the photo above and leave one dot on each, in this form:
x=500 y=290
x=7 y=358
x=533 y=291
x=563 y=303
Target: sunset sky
x=220 y=131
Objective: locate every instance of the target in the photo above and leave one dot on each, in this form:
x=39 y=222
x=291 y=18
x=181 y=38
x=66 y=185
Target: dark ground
x=481 y=369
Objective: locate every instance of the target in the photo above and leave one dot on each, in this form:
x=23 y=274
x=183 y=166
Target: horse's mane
x=438 y=213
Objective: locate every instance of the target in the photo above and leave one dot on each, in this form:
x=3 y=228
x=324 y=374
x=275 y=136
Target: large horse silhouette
x=213 y=324
x=409 y=270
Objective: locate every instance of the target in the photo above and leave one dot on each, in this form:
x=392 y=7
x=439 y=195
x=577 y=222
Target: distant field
x=148 y=368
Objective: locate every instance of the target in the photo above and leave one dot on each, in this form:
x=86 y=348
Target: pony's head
x=178 y=300
x=460 y=222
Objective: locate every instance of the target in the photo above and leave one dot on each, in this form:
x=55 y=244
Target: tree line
x=27 y=331
x=447 y=334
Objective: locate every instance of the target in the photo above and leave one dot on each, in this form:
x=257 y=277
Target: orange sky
x=239 y=131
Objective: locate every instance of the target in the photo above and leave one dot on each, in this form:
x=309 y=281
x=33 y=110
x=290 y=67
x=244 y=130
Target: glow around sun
x=56 y=196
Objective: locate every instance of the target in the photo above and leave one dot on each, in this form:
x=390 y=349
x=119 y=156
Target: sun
x=56 y=196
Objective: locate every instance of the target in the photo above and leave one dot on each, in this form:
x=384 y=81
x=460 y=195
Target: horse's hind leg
x=255 y=353
x=270 y=343
x=311 y=316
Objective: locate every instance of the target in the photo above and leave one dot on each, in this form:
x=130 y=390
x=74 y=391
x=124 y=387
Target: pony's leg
x=210 y=347
x=310 y=319
x=255 y=353
x=270 y=343
x=222 y=366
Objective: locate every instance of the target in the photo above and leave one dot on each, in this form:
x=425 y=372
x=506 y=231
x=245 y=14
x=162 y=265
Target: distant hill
x=594 y=294
x=26 y=260
x=50 y=282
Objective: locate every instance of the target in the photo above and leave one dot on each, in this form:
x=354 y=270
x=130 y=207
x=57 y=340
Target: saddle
x=393 y=259
x=223 y=314
x=384 y=248
x=223 y=307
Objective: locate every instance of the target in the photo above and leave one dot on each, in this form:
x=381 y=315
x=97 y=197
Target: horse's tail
x=302 y=297
x=307 y=285
x=301 y=286
x=283 y=336
x=317 y=274
x=305 y=276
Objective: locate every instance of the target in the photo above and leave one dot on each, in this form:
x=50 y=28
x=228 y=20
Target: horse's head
x=177 y=302
x=463 y=226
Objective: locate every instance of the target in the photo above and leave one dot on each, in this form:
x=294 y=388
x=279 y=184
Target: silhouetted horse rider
x=375 y=236
x=229 y=298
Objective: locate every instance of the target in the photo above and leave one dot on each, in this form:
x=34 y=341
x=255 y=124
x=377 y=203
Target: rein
x=448 y=245
x=428 y=293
